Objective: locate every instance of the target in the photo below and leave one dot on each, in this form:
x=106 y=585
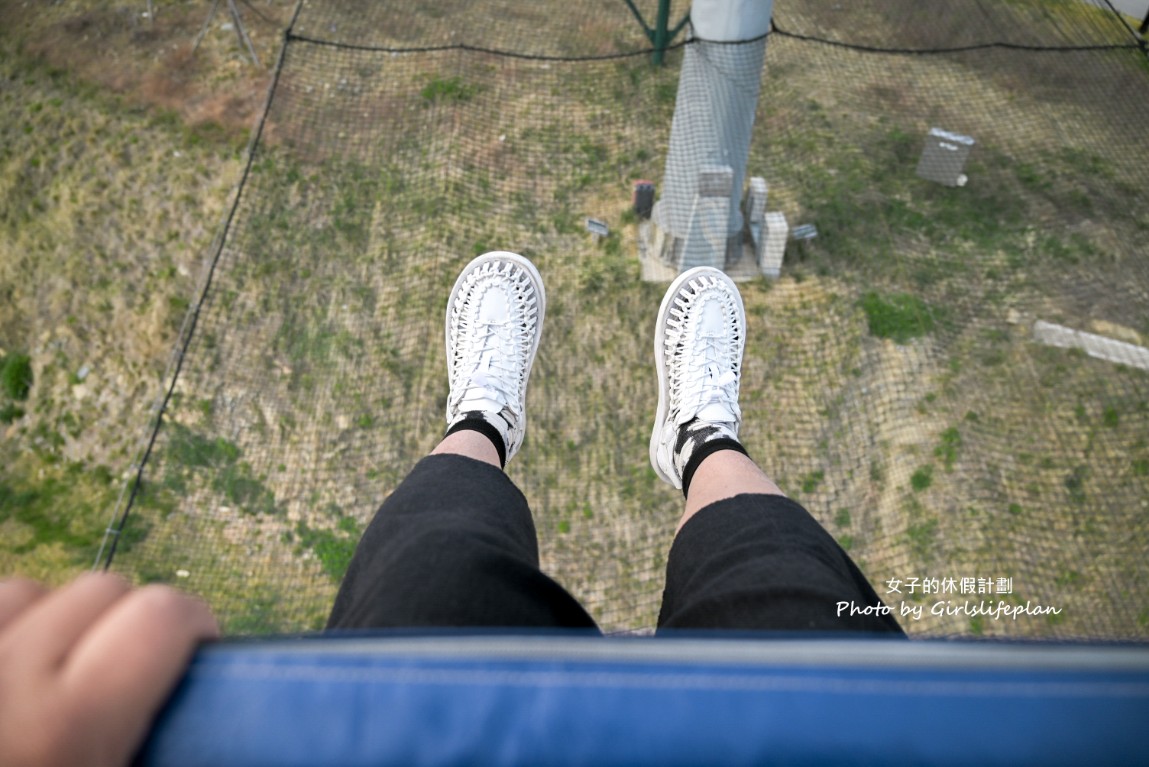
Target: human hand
x=84 y=669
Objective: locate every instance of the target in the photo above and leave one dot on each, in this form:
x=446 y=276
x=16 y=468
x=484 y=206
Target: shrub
x=16 y=376
x=922 y=478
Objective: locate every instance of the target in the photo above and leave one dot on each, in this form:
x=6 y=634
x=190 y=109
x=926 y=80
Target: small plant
x=899 y=317
x=922 y=478
x=334 y=548
x=842 y=518
x=1075 y=484
x=1111 y=417
x=11 y=412
x=948 y=449
x=922 y=536
x=811 y=481
x=16 y=376
x=449 y=89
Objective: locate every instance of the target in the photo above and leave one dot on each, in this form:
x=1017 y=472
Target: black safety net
x=953 y=379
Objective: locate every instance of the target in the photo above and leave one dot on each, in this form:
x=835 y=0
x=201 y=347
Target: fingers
x=85 y=669
x=130 y=661
x=44 y=633
x=16 y=596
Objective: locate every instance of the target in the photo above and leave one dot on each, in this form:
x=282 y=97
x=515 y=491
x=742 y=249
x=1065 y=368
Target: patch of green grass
x=842 y=518
x=11 y=412
x=448 y=89
x=64 y=505
x=1111 y=418
x=192 y=457
x=947 y=451
x=1075 y=484
x=922 y=537
x=811 y=481
x=243 y=490
x=16 y=376
x=900 y=317
x=922 y=478
x=333 y=548
x=869 y=210
x=193 y=450
x=160 y=497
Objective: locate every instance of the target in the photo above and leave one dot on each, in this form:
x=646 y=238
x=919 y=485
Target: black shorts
x=455 y=546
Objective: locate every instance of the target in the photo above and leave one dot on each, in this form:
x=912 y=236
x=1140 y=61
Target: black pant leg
x=454 y=546
x=761 y=562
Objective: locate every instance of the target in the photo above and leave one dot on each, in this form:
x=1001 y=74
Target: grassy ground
x=109 y=198
x=890 y=382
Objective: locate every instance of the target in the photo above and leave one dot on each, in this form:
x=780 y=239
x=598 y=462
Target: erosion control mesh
x=900 y=378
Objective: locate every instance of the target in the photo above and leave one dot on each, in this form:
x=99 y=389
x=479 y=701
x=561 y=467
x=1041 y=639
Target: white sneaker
x=494 y=322
x=698 y=345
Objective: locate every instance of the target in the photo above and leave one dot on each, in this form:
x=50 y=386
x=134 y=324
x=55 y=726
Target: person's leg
x=744 y=555
x=455 y=544
x=723 y=475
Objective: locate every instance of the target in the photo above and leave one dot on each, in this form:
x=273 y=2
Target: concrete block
x=773 y=245
x=1094 y=345
x=756 y=201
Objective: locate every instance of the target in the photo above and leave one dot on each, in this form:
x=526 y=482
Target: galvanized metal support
x=660 y=35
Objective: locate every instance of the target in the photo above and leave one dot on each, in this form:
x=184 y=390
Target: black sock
x=476 y=422
x=705 y=450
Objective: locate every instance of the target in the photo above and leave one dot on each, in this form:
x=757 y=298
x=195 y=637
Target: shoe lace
x=491 y=375
x=711 y=380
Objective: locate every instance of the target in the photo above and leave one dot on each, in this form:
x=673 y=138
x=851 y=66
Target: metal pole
x=660 y=34
x=661 y=31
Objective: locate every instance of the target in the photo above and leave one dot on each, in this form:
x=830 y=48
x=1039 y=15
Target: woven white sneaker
x=494 y=322
x=698 y=345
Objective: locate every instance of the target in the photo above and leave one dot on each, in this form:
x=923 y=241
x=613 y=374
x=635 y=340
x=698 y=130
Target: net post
x=661 y=39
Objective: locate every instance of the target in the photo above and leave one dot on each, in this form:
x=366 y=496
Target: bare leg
x=723 y=475
x=470 y=444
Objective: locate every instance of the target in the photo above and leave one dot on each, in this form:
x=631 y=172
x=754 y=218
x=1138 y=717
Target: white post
x=713 y=119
